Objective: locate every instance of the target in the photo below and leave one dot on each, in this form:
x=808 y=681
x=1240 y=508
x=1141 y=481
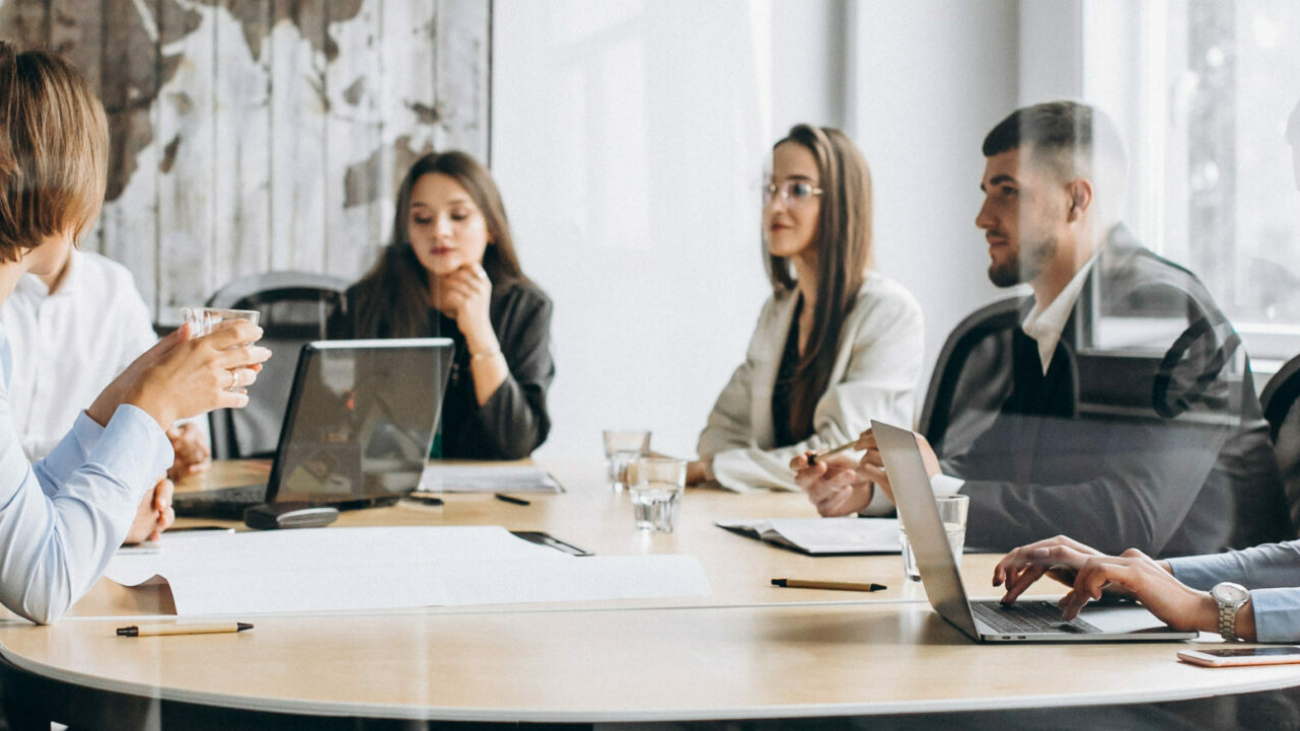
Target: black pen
x=511 y=499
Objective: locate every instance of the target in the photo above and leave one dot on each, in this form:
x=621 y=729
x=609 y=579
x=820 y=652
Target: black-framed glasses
x=792 y=192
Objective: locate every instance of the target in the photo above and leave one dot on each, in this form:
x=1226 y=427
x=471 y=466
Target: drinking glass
x=621 y=447
x=203 y=319
x=657 y=492
x=952 y=511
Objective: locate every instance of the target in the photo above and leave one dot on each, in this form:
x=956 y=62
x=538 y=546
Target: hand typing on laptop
x=1090 y=574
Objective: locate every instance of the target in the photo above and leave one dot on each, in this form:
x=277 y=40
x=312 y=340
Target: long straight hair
x=394 y=298
x=843 y=245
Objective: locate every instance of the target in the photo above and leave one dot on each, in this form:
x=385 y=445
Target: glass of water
x=622 y=446
x=952 y=511
x=203 y=319
x=657 y=492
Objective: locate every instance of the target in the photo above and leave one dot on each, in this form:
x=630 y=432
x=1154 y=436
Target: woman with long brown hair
x=837 y=345
x=451 y=271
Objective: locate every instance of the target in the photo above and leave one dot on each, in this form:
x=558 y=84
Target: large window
x=1203 y=89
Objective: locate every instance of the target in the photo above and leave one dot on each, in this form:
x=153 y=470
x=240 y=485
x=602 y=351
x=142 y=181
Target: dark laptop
x=357 y=430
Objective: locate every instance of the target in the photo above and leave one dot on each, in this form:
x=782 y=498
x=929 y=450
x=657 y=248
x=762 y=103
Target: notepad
x=823 y=536
x=487 y=478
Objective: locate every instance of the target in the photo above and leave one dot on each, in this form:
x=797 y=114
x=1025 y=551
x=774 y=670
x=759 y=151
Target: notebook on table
x=357 y=430
x=822 y=536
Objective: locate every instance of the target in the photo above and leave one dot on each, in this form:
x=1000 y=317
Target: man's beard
x=1012 y=271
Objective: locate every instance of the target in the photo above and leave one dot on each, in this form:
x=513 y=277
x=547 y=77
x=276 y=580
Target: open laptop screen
x=361 y=420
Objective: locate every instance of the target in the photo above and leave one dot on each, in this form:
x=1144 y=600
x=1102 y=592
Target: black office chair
x=1280 y=397
x=294 y=308
x=970 y=371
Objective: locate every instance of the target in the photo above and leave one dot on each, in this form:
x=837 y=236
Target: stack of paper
x=487 y=478
x=352 y=569
x=823 y=536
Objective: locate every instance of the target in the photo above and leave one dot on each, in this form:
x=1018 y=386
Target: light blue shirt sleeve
x=1272 y=573
x=58 y=534
x=71 y=452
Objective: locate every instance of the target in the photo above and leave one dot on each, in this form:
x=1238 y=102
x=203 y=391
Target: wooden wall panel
x=260 y=135
x=298 y=110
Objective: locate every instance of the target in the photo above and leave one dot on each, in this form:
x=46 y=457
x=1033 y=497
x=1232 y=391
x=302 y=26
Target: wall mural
x=261 y=135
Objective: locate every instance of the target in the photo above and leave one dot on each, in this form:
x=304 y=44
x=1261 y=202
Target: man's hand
x=834 y=484
x=154 y=515
x=873 y=467
x=192 y=452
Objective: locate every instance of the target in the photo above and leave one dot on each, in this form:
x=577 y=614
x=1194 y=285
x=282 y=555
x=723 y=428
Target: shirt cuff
x=87 y=431
x=133 y=447
x=1203 y=572
x=940 y=484
x=1277 y=614
x=943 y=484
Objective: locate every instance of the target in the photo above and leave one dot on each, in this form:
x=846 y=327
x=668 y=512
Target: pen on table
x=426 y=498
x=511 y=499
x=838 y=585
x=210 y=628
x=812 y=458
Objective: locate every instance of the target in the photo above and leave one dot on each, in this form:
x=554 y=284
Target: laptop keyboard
x=226 y=501
x=1031 y=617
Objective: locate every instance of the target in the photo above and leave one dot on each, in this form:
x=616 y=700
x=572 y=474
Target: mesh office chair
x=294 y=307
x=969 y=371
x=1279 y=400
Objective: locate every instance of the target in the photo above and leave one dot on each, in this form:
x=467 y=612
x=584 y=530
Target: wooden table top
x=748 y=651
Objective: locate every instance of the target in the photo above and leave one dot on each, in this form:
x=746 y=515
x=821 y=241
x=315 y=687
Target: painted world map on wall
x=263 y=135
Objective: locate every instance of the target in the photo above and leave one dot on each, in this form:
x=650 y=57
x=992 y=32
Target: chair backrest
x=1279 y=400
x=294 y=308
x=959 y=376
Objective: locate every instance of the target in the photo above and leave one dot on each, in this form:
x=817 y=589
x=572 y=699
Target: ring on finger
x=234 y=380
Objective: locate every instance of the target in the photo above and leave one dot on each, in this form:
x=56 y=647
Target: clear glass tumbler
x=657 y=492
x=622 y=446
x=952 y=511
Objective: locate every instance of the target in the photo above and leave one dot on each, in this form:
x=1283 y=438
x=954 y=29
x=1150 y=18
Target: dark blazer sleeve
x=514 y=421
x=1118 y=482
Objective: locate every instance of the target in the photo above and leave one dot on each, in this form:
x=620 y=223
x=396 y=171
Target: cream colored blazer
x=876 y=372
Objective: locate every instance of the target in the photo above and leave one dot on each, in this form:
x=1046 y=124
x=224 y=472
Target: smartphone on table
x=1239 y=656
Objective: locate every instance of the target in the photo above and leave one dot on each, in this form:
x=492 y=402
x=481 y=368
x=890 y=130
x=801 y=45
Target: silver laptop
x=1027 y=620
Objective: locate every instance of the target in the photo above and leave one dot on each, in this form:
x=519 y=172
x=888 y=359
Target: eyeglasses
x=793 y=192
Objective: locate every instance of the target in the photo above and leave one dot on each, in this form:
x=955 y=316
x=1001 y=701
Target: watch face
x=1229 y=593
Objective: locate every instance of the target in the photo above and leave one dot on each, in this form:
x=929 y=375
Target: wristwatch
x=1230 y=598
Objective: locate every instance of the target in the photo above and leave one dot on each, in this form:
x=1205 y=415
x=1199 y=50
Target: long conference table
x=747 y=651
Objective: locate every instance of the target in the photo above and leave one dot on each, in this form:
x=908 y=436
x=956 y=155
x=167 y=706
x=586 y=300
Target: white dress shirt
x=69 y=345
x=62 y=518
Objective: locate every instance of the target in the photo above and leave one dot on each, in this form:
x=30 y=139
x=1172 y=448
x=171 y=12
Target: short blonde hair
x=53 y=151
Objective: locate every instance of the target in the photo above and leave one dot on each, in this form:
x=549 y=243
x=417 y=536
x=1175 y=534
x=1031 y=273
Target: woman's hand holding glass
x=182 y=377
x=1090 y=573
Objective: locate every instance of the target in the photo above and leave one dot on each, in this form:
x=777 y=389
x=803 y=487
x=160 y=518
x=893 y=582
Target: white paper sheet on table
x=823 y=536
x=354 y=569
x=439 y=477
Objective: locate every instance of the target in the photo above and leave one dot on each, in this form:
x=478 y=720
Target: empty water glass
x=621 y=447
x=656 y=491
x=952 y=511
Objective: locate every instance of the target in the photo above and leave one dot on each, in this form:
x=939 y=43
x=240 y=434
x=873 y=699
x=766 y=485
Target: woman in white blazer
x=836 y=345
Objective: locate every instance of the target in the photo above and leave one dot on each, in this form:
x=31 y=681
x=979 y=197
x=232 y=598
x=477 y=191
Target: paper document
x=823 y=536
x=487 y=478
x=357 y=569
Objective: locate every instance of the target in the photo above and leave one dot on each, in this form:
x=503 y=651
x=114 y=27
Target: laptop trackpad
x=1121 y=620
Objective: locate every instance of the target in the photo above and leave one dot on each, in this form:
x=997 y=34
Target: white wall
x=628 y=139
x=931 y=78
